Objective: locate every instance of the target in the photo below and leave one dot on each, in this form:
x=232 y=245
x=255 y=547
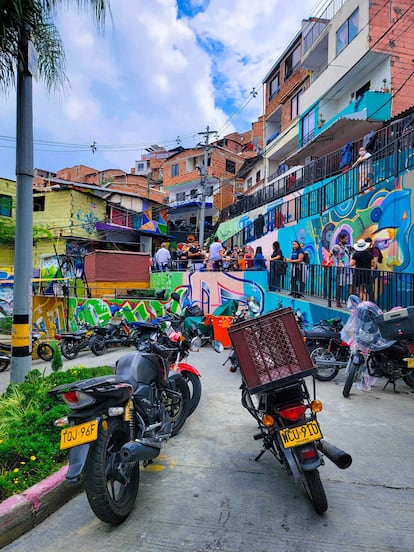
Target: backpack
x=380 y=255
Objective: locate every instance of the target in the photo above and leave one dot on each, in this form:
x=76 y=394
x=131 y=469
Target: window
x=209 y=190
x=180 y=196
x=175 y=170
x=257 y=177
x=294 y=105
x=193 y=193
x=308 y=127
x=230 y=166
x=39 y=203
x=347 y=32
x=249 y=182
x=292 y=61
x=5 y=205
x=141 y=166
x=274 y=86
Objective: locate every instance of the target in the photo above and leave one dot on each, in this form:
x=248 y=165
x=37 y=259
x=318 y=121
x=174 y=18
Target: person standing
x=196 y=256
x=216 y=253
x=341 y=256
x=163 y=258
x=259 y=262
x=296 y=259
x=366 y=175
x=259 y=224
x=362 y=260
x=277 y=267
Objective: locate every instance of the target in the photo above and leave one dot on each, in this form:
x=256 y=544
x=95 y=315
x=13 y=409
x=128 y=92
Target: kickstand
x=260 y=455
x=393 y=385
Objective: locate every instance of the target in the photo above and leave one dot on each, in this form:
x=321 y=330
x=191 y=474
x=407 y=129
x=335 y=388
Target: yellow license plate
x=295 y=436
x=78 y=434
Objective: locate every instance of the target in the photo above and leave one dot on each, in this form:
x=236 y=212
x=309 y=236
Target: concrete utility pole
x=23 y=248
x=203 y=183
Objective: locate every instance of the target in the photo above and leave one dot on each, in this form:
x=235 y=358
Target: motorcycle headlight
x=195 y=344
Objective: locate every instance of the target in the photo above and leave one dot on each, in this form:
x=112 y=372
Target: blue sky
x=160 y=73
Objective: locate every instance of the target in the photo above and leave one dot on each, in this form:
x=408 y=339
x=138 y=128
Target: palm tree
x=24 y=23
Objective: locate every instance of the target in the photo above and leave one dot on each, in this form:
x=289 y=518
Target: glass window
x=308 y=127
x=294 y=106
x=230 y=166
x=292 y=61
x=249 y=182
x=5 y=206
x=347 y=32
x=180 y=196
x=274 y=86
x=175 y=170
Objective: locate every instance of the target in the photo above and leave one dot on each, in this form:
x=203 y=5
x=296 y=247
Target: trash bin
x=221 y=324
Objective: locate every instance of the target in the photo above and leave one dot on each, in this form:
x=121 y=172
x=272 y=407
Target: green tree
x=23 y=24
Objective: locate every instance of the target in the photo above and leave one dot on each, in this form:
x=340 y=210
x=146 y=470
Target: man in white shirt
x=215 y=253
x=162 y=258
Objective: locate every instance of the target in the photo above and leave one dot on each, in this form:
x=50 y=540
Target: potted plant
x=385 y=87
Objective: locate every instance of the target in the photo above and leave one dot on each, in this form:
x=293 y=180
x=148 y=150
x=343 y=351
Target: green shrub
x=6 y=324
x=29 y=442
x=57 y=361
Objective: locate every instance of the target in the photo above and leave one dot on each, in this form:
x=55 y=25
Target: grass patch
x=29 y=442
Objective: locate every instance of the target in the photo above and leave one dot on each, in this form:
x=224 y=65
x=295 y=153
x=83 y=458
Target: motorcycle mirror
x=195 y=344
x=253 y=305
x=175 y=296
x=217 y=346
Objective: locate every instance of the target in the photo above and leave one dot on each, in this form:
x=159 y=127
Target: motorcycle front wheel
x=409 y=380
x=315 y=491
x=69 y=349
x=350 y=379
x=194 y=386
x=323 y=372
x=45 y=351
x=177 y=407
x=98 y=345
x=111 y=491
x=4 y=364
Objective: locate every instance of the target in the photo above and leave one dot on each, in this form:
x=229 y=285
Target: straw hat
x=361 y=245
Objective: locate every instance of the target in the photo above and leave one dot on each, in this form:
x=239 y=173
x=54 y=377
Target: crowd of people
x=355 y=266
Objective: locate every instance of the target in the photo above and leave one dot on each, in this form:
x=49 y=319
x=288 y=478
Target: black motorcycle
x=116 y=422
x=328 y=351
x=118 y=332
x=4 y=361
x=274 y=361
x=382 y=345
x=71 y=343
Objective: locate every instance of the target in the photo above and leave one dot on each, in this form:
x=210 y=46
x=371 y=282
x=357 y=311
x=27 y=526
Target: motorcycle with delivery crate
x=274 y=362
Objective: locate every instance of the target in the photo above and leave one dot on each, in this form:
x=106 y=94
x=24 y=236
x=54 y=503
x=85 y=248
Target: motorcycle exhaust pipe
x=339 y=457
x=136 y=451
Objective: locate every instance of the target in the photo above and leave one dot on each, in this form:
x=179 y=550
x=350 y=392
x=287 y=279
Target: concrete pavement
x=206 y=492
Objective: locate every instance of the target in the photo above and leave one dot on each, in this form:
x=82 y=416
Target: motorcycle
x=175 y=347
x=119 y=332
x=115 y=423
x=43 y=350
x=4 y=361
x=274 y=362
x=72 y=343
x=382 y=345
x=328 y=351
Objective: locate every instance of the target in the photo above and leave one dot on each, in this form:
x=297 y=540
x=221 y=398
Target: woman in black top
x=277 y=267
x=362 y=262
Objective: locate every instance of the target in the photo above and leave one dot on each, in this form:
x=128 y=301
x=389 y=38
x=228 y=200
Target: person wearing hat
x=362 y=261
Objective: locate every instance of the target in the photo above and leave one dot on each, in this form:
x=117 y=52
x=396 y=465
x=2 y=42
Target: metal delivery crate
x=270 y=350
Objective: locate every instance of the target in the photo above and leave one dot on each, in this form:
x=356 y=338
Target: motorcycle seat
x=322 y=333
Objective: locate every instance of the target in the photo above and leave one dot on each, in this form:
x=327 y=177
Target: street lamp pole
x=203 y=183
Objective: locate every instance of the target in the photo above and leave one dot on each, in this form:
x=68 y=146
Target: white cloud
x=148 y=79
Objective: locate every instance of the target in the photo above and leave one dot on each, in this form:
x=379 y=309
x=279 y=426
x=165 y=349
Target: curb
x=20 y=513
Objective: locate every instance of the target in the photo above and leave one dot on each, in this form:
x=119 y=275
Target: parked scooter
x=382 y=345
x=116 y=422
x=274 y=361
x=328 y=351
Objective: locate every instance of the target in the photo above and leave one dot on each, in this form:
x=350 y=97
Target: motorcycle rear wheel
x=4 y=364
x=409 y=380
x=69 y=349
x=350 y=380
x=98 y=345
x=45 y=351
x=110 y=498
x=323 y=373
x=315 y=491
